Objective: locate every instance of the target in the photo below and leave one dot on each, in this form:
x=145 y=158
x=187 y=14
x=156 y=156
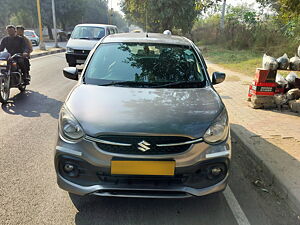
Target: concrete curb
x=280 y=169
x=47 y=53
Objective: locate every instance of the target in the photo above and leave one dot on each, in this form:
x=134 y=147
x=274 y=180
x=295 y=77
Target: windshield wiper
x=130 y=83
x=85 y=38
x=182 y=83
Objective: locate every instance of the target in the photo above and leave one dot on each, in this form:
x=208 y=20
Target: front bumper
x=139 y=192
x=75 y=58
x=97 y=180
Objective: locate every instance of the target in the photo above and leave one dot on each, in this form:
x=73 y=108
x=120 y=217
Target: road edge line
x=235 y=207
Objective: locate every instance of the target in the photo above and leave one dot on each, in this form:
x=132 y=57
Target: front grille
x=83 y=52
x=152 y=140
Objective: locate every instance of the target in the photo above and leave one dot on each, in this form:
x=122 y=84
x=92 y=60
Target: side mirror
x=71 y=73
x=218 y=77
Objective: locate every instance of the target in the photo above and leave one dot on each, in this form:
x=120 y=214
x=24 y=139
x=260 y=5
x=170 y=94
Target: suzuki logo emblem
x=143 y=146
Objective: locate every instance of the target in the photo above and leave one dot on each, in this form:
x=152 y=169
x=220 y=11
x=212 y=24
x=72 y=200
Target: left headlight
x=218 y=131
x=70 y=50
x=3 y=63
x=69 y=127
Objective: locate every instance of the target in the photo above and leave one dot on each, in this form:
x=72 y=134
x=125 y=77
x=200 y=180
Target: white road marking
x=235 y=207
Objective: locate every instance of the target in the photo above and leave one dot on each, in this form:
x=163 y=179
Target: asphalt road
x=29 y=194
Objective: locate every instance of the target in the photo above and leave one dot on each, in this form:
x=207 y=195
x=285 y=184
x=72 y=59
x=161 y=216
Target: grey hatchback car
x=144 y=120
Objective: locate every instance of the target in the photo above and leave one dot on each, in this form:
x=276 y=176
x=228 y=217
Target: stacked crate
x=263 y=88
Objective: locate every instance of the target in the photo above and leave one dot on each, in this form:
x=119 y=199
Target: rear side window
x=112 y=30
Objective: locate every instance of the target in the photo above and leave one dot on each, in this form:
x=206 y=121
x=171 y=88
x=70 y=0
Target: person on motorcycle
x=16 y=45
x=20 y=32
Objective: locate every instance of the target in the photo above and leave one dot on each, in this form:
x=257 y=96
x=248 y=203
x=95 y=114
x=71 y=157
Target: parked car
x=83 y=38
x=144 y=120
x=31 y=35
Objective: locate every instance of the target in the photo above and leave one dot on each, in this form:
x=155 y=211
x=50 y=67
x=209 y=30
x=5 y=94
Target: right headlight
x=69 y=127
x=218 y=131
x=70 y=50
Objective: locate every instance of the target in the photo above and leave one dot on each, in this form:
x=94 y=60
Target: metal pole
x=42 y=44
x=107 y=12
x=222 y=24
x=54 y=24
x=111 y=15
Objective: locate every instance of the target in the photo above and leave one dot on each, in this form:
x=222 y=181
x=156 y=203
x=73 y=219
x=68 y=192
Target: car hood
x=81 y=44
x=101 y=109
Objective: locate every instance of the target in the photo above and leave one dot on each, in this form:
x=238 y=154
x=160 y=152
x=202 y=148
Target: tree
x=119 y=21
x=290 y=9
x=4 y=12
x=162 y=15
x=285 y=8
x=96 y=11
x=68 y=13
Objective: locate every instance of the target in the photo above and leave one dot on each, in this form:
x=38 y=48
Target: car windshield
x=156 y=65
x=28 y=33
x=89 y=33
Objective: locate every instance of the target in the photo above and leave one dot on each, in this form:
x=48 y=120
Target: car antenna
x=146 y=19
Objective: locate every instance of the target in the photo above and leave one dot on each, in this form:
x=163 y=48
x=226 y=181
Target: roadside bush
x=247 y=29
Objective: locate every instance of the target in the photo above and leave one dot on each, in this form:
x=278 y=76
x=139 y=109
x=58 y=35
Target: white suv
x=83 y=39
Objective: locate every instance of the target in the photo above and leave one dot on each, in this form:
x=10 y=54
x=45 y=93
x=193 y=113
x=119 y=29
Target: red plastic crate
x=279 y=90
x=261 y=88
x=265 y=76
x=250 y=91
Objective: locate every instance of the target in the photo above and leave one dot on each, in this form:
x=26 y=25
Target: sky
x=237 y=2
x=115 y=3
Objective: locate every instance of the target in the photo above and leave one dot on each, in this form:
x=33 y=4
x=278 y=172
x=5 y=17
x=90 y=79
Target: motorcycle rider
x=15 y=44
x=20 y=32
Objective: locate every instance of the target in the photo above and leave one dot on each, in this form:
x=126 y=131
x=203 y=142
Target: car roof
x=147 y=38
x=95 y=25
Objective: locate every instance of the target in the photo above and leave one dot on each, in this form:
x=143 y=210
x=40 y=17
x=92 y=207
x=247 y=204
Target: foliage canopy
x=162 y=15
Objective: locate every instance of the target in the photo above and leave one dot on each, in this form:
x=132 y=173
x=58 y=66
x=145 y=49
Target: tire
x=22 y=88
x=4 y=89
x=82 y=202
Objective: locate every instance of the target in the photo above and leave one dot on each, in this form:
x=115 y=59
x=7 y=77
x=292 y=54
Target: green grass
x=242 y=61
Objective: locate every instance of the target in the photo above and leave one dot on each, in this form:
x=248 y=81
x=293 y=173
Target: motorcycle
x=10 y=75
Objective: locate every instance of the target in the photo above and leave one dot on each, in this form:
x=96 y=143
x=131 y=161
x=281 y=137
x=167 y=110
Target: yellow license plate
x=162 y=168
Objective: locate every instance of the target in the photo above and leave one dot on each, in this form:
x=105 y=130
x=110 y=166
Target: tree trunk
x=50 y=32
x=222 y=23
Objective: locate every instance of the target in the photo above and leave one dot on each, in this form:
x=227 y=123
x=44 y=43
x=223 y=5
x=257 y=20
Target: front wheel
x=22 y=87
x=4 y=89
